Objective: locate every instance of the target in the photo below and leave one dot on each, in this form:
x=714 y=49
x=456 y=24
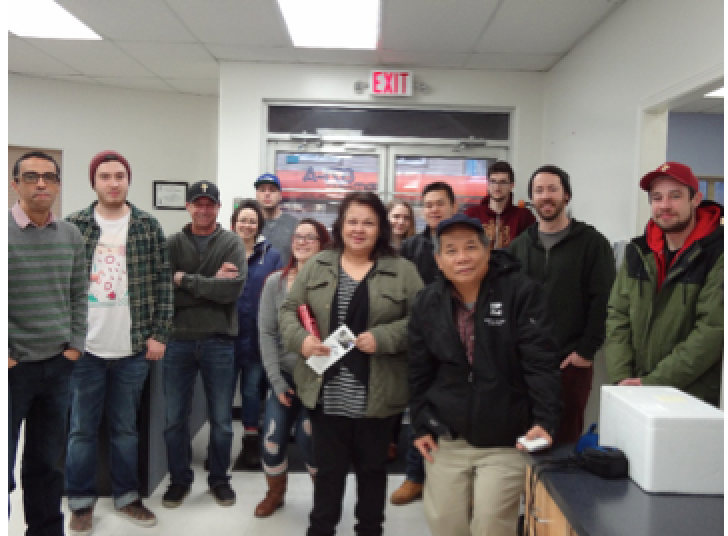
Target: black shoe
x=250 y=456
x=175 y=494
x=224 y=494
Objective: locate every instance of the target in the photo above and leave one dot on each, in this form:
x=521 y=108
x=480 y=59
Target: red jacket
x=502 y=228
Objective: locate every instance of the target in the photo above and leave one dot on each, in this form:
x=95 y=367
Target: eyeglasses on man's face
x=32 y=177
x=499 y=183
x=305 y=238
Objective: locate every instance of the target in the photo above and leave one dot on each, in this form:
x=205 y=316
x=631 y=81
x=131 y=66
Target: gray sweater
x=274 y=357
x=279 y=232
x=204 y=305
x=47 y=290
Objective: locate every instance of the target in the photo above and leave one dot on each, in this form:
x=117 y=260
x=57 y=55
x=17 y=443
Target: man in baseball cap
x=480 y=316
x=209 y=268
x=665 y=313
x=279 y=226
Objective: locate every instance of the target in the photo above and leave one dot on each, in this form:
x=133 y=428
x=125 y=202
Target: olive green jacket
x=673 y=337
x=392 y=284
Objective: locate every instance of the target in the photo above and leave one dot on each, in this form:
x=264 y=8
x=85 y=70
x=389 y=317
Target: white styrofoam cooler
x=673 y=441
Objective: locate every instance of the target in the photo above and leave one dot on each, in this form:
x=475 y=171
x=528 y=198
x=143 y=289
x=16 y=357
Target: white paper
x=339 y=343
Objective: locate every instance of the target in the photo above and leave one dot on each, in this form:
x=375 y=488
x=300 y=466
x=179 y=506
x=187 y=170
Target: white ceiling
x=176 y=45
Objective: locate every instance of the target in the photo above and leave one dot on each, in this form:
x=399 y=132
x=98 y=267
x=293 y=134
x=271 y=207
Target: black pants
x=338 y=443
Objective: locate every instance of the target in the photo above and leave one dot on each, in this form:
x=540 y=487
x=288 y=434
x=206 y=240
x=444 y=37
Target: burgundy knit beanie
x=107 y=156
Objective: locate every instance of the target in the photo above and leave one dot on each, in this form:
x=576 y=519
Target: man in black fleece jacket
x=575 y=264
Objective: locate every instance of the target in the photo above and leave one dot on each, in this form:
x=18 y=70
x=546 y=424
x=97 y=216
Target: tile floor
x=200 y=515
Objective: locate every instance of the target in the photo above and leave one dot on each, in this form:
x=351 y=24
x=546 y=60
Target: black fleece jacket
x=577 y=276
x=514 y=381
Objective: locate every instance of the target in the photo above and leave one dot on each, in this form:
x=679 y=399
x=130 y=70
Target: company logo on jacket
x=496 y=309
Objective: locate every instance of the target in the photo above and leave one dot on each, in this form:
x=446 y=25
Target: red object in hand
x=305 y=315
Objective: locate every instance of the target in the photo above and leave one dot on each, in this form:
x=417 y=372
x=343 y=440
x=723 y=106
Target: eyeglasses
x=32 y=177
x=305 y=238
x=500 y=183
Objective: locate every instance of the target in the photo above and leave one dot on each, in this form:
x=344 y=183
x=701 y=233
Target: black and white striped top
x=344 y=395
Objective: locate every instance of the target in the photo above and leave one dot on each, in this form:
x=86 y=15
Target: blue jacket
x=264 y=260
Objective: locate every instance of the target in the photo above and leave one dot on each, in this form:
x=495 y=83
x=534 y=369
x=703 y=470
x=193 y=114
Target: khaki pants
x=493 y=478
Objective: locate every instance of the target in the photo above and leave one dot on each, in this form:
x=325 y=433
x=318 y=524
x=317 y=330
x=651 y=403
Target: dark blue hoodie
x=264 y=260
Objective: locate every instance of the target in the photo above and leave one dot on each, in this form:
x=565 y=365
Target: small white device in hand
x=532 y=445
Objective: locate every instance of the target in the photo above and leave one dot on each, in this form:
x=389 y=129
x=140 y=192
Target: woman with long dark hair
x=282 y=407
x=361 y=283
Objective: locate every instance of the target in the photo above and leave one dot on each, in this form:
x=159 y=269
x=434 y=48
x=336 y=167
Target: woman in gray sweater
x=283 y=407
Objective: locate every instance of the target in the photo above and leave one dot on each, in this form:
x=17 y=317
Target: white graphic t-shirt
x=109 y=316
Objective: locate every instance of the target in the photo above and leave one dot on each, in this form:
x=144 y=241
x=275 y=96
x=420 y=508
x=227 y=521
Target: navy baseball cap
x=460 y=219
x=203 y=189
x=267 y=178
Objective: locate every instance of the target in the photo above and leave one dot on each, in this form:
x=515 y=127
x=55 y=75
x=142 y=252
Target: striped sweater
x=47 y=287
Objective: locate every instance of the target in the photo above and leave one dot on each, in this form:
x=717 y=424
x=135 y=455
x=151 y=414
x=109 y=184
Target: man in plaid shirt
x=130 y=315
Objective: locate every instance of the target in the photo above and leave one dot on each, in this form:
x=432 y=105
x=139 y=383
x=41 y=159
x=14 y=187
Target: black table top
x=599 y=507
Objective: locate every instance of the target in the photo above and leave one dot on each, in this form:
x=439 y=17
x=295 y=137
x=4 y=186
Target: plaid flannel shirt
x=151 y=301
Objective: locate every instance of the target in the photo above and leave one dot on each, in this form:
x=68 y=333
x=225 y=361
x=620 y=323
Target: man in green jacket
x=665 y=313
x=575 y=264
x=209 y=269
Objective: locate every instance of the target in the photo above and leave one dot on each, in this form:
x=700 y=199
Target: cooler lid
x=661 y=402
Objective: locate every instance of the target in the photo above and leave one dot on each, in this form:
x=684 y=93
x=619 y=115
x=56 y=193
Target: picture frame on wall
x=169 y=195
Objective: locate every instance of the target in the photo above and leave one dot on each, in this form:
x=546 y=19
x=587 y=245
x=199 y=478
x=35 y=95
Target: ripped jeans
x=277 y=424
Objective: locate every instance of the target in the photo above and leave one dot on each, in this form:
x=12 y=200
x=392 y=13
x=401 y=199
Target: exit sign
x=390 y=83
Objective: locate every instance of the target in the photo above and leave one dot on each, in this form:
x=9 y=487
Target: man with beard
x=128 y=261
x=665 y=316
x=279 y=226
x=502 y=220
x=575 y=264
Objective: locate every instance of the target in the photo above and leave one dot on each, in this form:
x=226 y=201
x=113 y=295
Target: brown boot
x=407 y=492
x=274 y=497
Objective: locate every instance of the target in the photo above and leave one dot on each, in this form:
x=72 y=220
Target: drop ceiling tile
x=422 y=59
x=145 y=83
x=251 y=53
x=24 y=58
x=538 y=27
x=234 y=22
x=434 y=25
x=174 y=60
x=92 y=58
x=131 y=20
x=512 y=62
x=337 y=57
x=198 y=86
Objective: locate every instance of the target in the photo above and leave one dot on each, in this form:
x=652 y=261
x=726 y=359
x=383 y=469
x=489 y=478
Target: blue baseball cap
x=460 y=219
x=267 y=178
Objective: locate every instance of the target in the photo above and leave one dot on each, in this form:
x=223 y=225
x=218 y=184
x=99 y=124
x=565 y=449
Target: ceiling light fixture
x=332 y=23
x=45 y=19
x=717 y=94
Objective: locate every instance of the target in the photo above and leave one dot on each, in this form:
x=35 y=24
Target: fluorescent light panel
x=45 y=19
x=351 y=24
x=717 y=94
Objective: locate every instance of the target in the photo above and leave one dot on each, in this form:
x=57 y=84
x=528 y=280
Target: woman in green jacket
x=362 y=284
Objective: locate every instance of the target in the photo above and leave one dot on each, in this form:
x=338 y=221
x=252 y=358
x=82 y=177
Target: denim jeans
x=214 y=358
x=113 y=385
x=38 y=393
x=277 y=425
x=252 y=380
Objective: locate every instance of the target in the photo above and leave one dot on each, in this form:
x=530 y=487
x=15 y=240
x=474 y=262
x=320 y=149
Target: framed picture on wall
x=170 y=195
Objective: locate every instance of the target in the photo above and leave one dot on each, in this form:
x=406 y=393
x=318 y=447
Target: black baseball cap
x=460 y=219
x=203 y=189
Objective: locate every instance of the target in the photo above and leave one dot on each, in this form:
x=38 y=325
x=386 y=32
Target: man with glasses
x=47 y=304
x=128 y=261
x=438 y=204
x=502 y=220
x=209 y=267
x=279 y=226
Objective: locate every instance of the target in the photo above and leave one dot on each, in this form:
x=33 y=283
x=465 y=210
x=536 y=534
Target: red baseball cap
x=676 y=170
